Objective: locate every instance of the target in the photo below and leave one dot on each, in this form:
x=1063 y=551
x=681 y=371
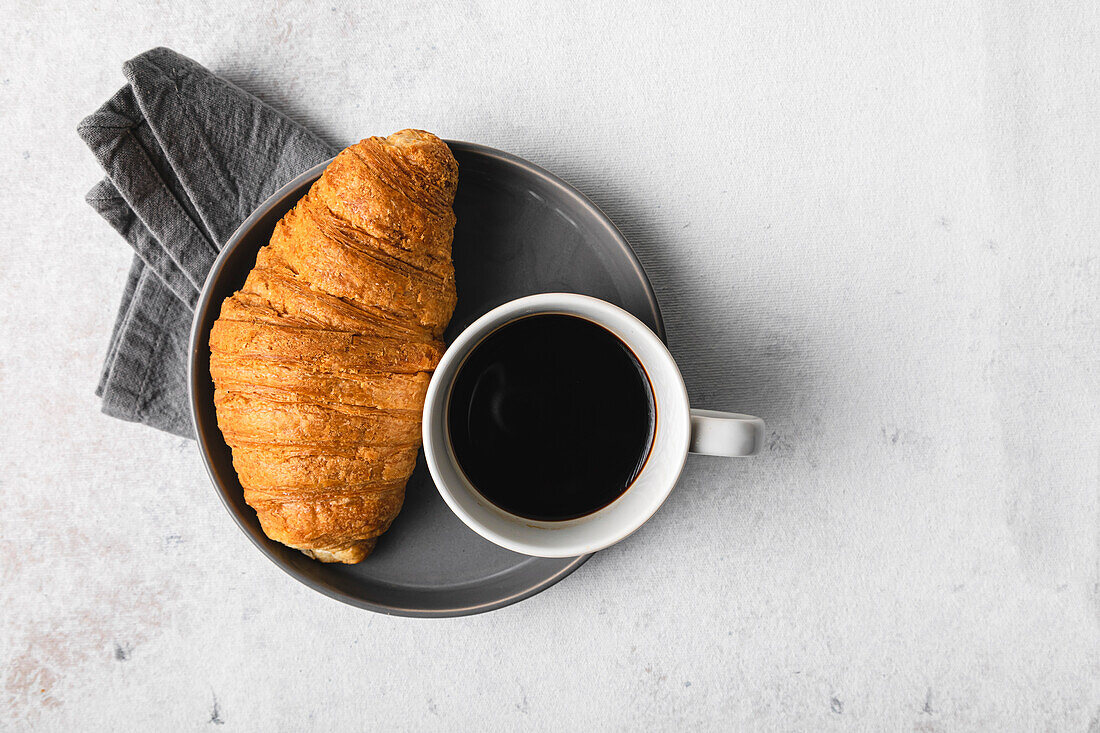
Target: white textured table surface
x=877 y=229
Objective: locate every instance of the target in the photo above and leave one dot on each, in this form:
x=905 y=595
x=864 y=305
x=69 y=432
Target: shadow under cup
x=607 y=525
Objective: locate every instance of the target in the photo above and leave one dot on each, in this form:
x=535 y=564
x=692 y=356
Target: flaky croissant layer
x=322 y=360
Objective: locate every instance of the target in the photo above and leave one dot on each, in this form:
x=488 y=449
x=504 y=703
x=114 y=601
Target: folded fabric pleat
x=188 y=156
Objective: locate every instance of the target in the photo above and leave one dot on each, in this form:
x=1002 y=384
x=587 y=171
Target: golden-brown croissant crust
x=321 y=361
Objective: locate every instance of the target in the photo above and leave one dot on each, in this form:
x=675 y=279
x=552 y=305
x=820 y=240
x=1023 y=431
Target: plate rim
x=203 y=305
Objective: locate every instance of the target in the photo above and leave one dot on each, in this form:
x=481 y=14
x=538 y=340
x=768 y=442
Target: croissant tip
x=354 y=553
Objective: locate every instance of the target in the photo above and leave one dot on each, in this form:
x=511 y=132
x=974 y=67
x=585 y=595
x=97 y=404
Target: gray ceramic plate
x=520 y=231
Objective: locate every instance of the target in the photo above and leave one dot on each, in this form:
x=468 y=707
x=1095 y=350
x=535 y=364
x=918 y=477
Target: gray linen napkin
x=188 y=157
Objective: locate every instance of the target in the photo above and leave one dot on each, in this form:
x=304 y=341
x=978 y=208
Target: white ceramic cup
x=679 y=430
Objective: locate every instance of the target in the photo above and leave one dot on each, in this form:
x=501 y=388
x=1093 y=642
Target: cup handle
x=715 y=433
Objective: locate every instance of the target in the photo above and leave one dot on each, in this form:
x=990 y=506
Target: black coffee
x=551 y=417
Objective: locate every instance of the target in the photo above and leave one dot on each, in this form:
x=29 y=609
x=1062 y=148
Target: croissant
x=322 y=360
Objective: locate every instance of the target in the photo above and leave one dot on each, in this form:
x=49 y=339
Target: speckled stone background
x=876 y=228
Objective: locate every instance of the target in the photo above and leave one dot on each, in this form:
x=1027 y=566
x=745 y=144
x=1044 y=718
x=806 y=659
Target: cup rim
x=674 y=433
